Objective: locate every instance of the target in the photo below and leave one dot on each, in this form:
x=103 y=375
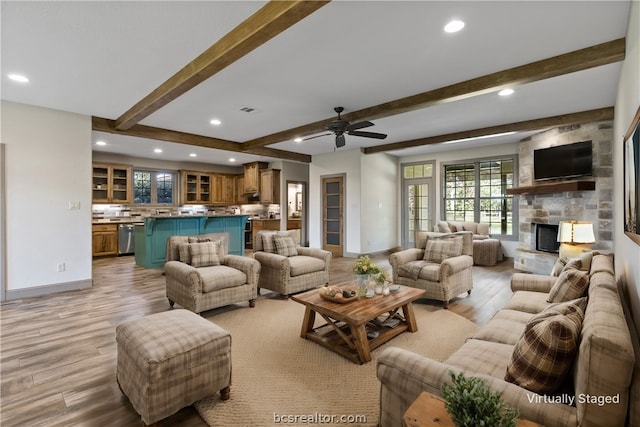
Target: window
x=153 y=187
x=475 y=191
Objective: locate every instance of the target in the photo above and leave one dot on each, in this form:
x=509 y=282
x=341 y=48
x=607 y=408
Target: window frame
x=154 y=186
x=477 y=198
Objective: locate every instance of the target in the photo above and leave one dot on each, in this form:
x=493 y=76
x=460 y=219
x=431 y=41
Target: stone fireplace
x=544 y=237
x=537 y=210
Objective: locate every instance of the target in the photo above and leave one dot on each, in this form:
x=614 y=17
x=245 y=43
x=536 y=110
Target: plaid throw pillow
x=196 y=239
x=543 y=356
x=185 y=255
x=570 y=284
x=267 y=242
x=284 y=245
x=437 y=250
x=204 y=254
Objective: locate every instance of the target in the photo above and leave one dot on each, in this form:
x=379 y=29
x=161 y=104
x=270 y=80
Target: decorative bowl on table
x=337 y=294
x=394 y=288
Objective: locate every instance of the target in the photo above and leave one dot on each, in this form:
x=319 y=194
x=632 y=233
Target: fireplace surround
x=545 y=237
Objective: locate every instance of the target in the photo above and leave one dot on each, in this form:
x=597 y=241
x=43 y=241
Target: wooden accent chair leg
x=252 y=303
x=171 y=303
x=224 y=393
x=258 y=291
x=445 y=305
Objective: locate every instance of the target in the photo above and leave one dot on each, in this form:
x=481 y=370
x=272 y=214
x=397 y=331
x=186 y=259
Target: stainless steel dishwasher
x=126 y=239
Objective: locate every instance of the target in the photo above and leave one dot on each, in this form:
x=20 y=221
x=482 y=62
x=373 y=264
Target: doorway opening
x=296 y=209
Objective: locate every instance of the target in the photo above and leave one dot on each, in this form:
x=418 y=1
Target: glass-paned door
x=333 y=215
x=418 y=201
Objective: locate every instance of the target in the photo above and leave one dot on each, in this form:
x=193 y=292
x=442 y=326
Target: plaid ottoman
x=169 y=360
x=487 y=252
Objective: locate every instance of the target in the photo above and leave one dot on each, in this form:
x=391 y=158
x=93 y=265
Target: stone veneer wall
x=594 y=206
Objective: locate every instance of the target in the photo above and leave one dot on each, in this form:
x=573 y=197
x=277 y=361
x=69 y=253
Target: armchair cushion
x=302 y=264
x=204 y=254
x=437 y=250
x=284 y=245
x=544 y=354
x=420 y=270
x=221 y=277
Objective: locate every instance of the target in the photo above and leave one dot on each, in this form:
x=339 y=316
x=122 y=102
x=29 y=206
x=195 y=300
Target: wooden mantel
x=554 y=187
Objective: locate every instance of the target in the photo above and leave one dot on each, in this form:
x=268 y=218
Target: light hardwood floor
x=58 y=353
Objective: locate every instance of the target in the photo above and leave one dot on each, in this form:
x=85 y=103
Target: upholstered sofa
x=289 y=268
x=230 y=279
x=598 y=383
x=486 y=250
x=442 y=276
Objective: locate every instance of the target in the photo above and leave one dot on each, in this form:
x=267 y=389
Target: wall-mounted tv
x=563 y=161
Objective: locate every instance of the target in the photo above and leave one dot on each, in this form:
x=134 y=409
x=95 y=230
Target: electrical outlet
x=60 y=267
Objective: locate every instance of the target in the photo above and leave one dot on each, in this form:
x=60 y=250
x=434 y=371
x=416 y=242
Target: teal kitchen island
x=151 y=238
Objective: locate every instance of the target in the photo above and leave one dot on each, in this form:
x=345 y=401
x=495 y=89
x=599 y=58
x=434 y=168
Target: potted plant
x=472 y=404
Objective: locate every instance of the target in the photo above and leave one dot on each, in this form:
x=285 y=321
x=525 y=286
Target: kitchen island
x=151 y=238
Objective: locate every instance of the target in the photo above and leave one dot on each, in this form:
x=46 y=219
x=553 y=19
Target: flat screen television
x=563 y=161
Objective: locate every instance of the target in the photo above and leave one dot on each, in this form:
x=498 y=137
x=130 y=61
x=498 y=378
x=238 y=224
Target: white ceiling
x=100 y=58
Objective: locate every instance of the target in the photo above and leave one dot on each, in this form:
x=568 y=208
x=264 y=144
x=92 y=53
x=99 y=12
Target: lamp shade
x=575 y=232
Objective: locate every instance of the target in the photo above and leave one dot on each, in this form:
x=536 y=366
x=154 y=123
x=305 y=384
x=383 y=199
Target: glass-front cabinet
x=196 y=187
x=111 y=183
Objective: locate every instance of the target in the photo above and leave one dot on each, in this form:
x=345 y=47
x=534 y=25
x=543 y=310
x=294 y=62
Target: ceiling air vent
x=249 y=110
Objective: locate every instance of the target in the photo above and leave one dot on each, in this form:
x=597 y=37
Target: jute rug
x=276 y=373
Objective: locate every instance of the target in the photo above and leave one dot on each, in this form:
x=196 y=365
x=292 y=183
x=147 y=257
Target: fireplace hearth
x=545 y=237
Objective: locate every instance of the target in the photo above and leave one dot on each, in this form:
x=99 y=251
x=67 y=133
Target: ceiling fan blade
x=317 y=136
x=369 y=134
x=340 y=140
x=359 y=125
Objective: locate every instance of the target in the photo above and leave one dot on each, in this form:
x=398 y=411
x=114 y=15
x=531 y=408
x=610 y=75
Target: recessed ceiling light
x=232 y=160
x=157 y=150
x=18 y=78
x=215 y=122
x=193 y=155
x=101 y=143
x=297 y=140
x=454 y=26
x=505 y=92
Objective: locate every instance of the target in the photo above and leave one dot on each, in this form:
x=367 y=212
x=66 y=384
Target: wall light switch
x=74 y=205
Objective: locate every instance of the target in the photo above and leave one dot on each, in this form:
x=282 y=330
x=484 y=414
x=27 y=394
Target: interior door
x=418 y=209
x=333 y=215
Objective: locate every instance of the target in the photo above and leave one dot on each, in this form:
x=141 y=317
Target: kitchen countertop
x=140 y=219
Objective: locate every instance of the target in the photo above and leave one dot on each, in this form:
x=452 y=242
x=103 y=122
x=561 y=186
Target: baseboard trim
x=384 y=252
x=37 y=291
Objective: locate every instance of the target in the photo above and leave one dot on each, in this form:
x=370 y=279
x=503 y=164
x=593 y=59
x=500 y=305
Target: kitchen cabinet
x=270 y=186
x=241 y=197
x=112 y=183
x=229 y=190
x=263 y=224
x=196 y=187
x=104 y=239
x=252 y=176
x=293 y=224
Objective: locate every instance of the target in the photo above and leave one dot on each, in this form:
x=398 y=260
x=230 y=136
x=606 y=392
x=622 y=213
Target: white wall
x=379 y=201
x=627 y=253
x=48 y=164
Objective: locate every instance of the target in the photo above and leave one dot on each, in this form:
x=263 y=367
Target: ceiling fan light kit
x=340 y=127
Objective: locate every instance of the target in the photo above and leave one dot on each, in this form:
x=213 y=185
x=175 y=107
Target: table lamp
x=575 y=238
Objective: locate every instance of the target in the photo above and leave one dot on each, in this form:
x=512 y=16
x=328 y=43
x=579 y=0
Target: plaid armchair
x=289 y=268
x=199 y=285
x=441 y=264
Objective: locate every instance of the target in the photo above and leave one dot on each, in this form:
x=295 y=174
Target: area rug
x=279 y=377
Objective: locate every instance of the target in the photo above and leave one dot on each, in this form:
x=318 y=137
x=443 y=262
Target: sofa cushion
x=221 y=277
x=482 y=357
x=437 y=250
x=528 y=302
x=469 y=226
x=483 y=229
x=505 y=327
x=544 y=354
x=443 y=227
x=303 y=264
x=284 y=245
x=570 y=284
x=204 y=254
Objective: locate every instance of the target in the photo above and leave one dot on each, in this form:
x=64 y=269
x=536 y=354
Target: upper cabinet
x=112 y=183
x=270 y=186
x=197 y=188
x=252 y=176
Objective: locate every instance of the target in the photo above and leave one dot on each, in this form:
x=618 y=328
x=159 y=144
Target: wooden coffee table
x=348 y=324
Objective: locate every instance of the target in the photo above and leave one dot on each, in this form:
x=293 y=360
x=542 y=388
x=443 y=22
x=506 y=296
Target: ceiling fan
x=340 y=127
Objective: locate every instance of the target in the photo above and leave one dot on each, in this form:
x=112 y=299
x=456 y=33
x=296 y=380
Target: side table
x=429 y=411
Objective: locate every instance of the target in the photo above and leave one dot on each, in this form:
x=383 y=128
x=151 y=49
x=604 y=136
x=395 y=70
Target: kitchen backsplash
x=113 y=211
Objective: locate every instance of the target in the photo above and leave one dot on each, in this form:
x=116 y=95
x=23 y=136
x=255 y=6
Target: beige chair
x=307 y=269
x=233 y=281
x=444 y=271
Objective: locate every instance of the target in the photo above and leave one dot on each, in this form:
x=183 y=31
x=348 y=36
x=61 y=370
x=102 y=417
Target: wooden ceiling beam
x=594 y=56
x=271 y=20
x=524 y=126
x=149 y=132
